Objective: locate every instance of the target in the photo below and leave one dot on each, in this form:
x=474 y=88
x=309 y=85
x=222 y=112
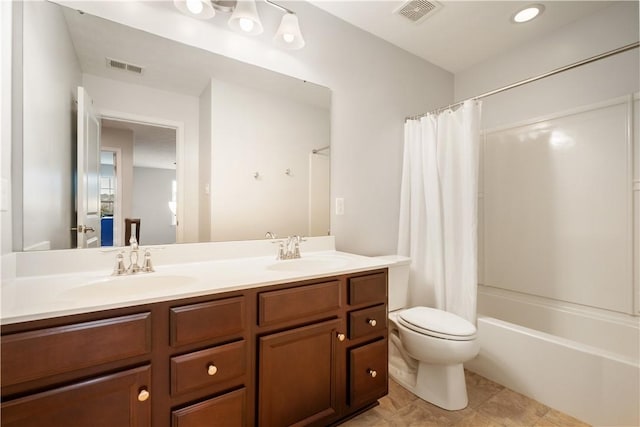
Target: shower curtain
x=439 y=209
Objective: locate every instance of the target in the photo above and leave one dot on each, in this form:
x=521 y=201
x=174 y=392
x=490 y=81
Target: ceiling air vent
x=121 y=65
x=417 y=11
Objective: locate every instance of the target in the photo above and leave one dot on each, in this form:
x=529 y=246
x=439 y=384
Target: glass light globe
x=194 y=6
x=246 y=24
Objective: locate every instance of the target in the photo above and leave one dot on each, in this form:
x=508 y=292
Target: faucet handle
x=296 y=248
x=147 y=266
x=119 y=268
x=281 y=251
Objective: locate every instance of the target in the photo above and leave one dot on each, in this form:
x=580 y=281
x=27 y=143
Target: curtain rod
x=317 y=150
x=533 y=79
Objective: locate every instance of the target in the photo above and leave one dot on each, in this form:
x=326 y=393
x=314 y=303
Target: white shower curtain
x=439 y=209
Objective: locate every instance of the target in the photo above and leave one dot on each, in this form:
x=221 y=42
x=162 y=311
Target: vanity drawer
x=371 y=288
x=37 y=354
x=367 y=321
x=110 y=400
x=298 y=303
x=208 y=367
x=368 y=372
x=206 y=321
x=228 y=410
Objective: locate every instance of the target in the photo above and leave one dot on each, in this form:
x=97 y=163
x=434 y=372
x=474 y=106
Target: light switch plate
x=4 y=195
x=339 y=206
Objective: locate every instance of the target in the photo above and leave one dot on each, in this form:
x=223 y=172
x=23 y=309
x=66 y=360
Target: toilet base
x=441 y=385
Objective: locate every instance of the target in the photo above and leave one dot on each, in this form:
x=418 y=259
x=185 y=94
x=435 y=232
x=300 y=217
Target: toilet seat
x=437 y=323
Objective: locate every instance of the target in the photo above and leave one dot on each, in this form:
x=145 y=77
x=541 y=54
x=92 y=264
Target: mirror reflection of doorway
x=108 y=190
x=141 y=183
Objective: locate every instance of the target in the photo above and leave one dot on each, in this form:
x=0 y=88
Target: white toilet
x=427 y=347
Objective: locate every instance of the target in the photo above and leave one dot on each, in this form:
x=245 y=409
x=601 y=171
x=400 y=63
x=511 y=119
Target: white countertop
x=43 y=296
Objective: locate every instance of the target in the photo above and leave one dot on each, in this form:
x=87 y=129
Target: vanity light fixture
x=288 y=35
x=200 y=9
x=245 y=19
x=528 y=13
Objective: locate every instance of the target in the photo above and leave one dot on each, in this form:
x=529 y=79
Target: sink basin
x=310 y=264
x=128 y=285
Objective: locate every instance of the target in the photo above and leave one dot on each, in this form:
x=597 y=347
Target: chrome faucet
x=134 y=266
x=288 y=248
x=270 y=235
x=293 y=247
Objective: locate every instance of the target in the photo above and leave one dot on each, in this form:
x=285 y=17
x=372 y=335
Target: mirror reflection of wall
x=277 y=147
x=230 y=120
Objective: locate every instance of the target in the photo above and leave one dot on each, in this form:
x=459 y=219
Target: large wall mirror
x=197 y=146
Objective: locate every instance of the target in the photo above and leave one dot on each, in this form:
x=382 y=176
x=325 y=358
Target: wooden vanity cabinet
x=227 y=410
x=209 y=363
x=298 y=335
x=85 y=373
x=368 y=339
x=305 y=353
x=331 y=363
x=120 y=399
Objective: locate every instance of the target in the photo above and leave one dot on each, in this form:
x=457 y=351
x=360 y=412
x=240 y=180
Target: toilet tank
x=398 y=281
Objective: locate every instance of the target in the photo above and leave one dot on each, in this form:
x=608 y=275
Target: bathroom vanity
x=276 y=353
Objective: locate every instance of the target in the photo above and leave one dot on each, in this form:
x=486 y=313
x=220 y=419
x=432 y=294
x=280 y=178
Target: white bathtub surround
x=559 y=251
x=58 y=283
x=438 y=208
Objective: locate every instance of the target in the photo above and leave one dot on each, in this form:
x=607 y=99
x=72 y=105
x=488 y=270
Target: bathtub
x=579 y=360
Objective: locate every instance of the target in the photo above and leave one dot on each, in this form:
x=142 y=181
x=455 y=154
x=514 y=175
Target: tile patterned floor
x=490 y=405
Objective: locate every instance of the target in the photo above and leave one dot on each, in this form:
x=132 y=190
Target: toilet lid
x=437 y=323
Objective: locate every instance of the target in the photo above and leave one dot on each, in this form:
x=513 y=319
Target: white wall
x=606 y=157
x=320 y=193
x=282 y=134
x=51 y=77
x=374 y=87
x=152 y=206
x=6 y=128
x=152 y=104
x=204 y=155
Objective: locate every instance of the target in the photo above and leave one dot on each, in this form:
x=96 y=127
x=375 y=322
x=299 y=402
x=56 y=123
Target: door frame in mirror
x=180 y=178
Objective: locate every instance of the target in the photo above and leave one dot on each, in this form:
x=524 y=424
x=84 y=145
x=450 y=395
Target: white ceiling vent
x=417 y=11
x=121 y=65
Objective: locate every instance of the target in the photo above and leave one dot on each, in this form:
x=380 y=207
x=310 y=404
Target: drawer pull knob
x=372 y=322
x=143 y=395
x=212 y=369
x=372 y=373
x=341 y=337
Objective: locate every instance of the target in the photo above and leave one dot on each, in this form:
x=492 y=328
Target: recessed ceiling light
x=528 y=13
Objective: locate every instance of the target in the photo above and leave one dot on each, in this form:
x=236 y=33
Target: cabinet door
x=119 y=399
x=297 y=375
